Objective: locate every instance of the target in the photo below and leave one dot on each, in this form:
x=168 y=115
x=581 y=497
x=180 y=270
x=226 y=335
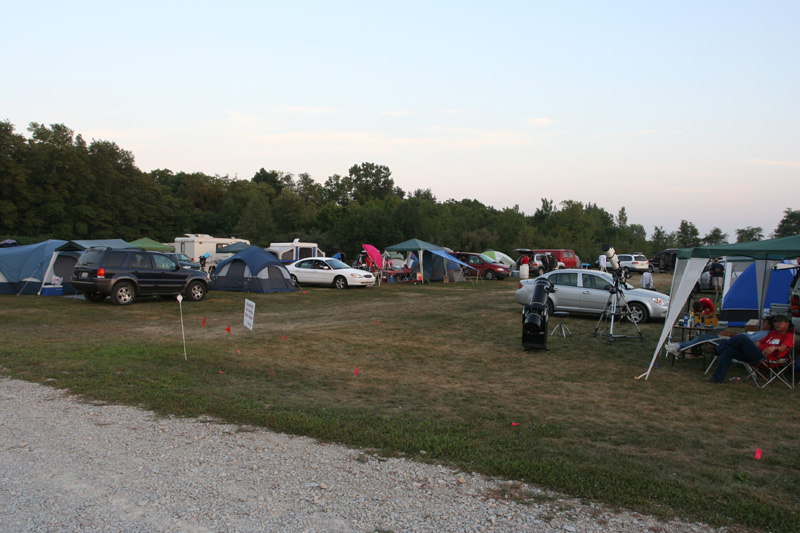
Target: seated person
x=709 y=341
x=775 y=346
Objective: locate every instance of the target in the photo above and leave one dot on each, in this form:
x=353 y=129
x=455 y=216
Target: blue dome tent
x=252 y=270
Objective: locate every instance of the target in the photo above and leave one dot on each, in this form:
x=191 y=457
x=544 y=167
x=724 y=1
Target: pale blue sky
x=674 y=110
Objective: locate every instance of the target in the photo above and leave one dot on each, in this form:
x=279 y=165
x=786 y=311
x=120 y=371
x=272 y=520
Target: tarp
x=741 y=303
x=23 y=268
x=151 y=245
x=252 y=270
x=691 y=261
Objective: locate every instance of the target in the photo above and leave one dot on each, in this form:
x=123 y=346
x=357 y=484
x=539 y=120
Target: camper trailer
x=197 y=245
x=289 y=252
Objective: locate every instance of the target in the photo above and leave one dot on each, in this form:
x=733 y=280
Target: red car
x=483 y=266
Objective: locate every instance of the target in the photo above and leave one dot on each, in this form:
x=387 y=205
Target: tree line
x=56 y=185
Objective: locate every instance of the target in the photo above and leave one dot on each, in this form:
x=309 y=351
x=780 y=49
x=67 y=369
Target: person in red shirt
x=775 y=346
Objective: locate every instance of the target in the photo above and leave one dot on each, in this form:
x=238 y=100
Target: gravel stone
x=69 y=465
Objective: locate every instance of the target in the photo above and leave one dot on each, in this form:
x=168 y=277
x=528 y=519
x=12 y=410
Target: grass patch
x=441 y=377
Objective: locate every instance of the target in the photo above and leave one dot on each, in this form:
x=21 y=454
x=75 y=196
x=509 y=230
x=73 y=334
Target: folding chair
x=768 y=371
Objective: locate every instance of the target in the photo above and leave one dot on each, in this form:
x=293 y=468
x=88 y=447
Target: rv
x=289 y=252
x=197 y=245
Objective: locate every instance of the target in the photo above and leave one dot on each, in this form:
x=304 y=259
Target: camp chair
x=768 y=371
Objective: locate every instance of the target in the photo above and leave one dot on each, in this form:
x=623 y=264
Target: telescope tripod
x=616 y=307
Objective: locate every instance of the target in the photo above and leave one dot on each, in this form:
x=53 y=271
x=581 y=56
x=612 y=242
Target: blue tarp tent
x=23 y=268
x=252 y=270
x=741 y=301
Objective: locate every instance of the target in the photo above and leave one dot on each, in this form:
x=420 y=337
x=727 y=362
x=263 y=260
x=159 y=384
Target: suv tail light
x=101 y=272
x=794 y=305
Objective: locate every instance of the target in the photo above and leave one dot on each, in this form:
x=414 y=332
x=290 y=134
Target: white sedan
x=328 y=271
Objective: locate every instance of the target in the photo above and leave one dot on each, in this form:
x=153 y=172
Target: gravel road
x=68 y=465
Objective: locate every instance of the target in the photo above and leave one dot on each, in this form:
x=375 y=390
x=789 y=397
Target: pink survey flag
x=204 y=323
x=515 y=423
x=228 y=329
x=356 y=372
x=758 y=453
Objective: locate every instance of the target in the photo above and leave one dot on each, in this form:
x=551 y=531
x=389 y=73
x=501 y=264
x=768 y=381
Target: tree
x=369 y=181
x=715 y=236
x=276 y=179
x=256 y=223
x=749 y=234
x=622 y=218
x=789 y=224
x=687 y=235
x=16 y=199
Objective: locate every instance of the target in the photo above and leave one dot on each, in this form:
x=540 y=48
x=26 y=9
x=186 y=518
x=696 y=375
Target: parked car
x=482 y=266
x=537 y=262
x=566 y=257
x=587 y=291
x=126 y=274
x=665 y=259
x=184 y=261
x=633 y=263
x=328 y=271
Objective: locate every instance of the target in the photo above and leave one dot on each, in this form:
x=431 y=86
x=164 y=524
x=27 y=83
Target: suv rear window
x=90 y=257
x=639 y=258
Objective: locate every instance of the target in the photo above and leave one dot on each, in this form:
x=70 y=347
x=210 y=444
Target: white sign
x=249 y=314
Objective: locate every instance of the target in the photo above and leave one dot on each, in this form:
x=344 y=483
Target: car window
x=115 y=259
x=321 y=265
x=590 y=281
x=304 y=264
x=565 y=278
x=91 y=257
x=624 y=257
x=640 y=258
x=336 y=264
x=139 y=260
x=163 y=262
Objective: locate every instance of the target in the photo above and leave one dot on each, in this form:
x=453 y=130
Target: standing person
x=524 y=267
x=601 y=263
x=647 y=280
x=717 y=272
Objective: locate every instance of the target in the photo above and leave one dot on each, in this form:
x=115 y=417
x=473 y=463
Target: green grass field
x=441 y=377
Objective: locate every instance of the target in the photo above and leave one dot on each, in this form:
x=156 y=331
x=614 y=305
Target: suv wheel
x=124 y=293
x=489 y=274
x=196 y=291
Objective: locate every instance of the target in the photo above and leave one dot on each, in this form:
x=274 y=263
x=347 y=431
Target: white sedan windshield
x=336 y=264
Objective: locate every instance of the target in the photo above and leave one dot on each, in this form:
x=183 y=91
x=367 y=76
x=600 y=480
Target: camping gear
x=252 y=270
x=741 y=303
x=691 y=262
x=23 y=268
x=433 y=268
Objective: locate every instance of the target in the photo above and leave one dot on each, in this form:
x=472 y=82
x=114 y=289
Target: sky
x=681 y=110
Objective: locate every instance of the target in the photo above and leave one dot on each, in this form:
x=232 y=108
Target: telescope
x=611 y=255
x=534 y=316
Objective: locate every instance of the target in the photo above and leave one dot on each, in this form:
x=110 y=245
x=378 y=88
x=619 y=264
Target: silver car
x=587 y=291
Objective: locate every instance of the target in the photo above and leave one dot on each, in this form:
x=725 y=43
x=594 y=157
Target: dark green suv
x=125 y=274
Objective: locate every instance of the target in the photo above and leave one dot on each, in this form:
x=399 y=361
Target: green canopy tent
x=690 y=263
x=419 y=247
x=151 y=245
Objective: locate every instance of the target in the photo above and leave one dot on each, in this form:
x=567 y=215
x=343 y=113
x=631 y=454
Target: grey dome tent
x=252 y=270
